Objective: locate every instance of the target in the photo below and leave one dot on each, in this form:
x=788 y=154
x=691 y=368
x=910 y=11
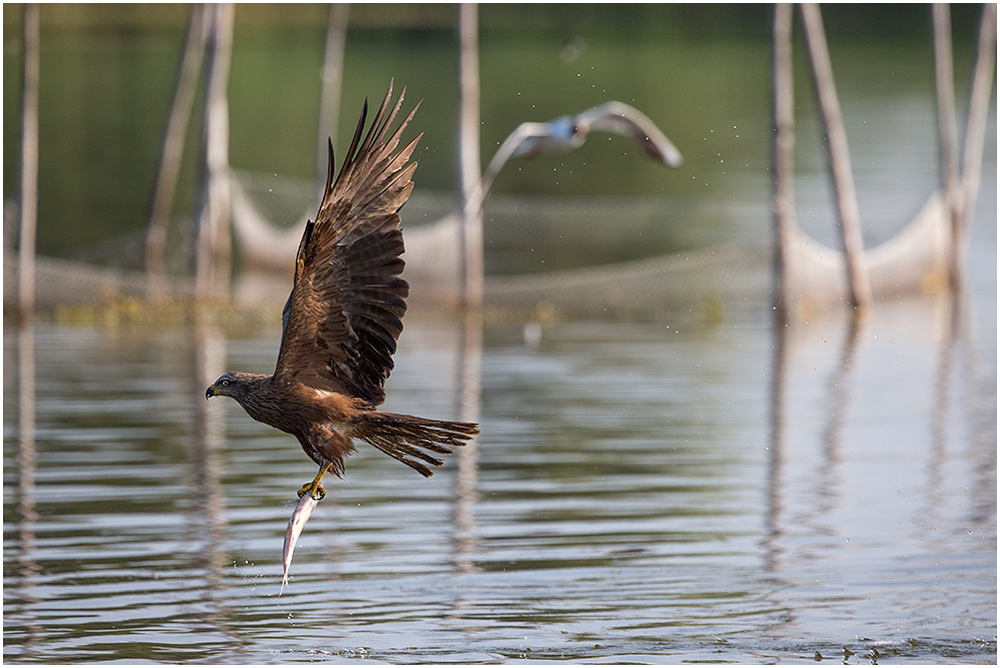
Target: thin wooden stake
x=332 y=76
x=784 y=142
x=173 y=149
x=980 y=99
x=212 y=259
x=29 y=163
x=468 y=155
x=840 y=162
x=944 y=80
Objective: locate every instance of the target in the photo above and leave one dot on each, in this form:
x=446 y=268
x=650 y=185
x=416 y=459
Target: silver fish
x=303 y=510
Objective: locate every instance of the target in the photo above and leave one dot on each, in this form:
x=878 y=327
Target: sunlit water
x=638 y=493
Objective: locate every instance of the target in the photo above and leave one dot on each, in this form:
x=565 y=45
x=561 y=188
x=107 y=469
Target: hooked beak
x=210 y=392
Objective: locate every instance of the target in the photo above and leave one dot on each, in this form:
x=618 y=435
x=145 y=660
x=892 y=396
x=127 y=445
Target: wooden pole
x=980 y=99
x=29 y=163
x=944 y=81
x=213 y=251
x=173 y=149
x=784 y=142
x=859 y=285
x=468 y=155
x=332 y=76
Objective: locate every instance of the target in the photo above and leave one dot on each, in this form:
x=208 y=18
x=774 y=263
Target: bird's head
x=556 y=136
x=232 y=384
x=564 y=129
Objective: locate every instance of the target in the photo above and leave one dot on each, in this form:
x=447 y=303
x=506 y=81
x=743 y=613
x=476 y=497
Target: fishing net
x=563 y=256
x=545 y=257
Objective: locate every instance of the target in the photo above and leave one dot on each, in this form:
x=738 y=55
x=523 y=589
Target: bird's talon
x=312 y=487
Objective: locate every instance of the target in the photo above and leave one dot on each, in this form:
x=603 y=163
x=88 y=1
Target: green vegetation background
x=108 y=72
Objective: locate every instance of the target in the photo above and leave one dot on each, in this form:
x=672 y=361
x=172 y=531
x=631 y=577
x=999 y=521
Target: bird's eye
x=225 y=383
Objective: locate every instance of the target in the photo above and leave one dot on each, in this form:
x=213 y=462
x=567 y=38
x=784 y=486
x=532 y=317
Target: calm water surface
x=638 y=493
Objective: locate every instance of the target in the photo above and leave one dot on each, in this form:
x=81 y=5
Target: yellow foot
x=315 y=488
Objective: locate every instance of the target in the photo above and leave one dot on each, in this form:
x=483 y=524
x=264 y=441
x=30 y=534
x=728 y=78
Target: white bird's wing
x=524 y=137
x=619 y=118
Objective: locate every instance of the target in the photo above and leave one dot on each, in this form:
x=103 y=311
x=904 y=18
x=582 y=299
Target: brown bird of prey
x=342 y=319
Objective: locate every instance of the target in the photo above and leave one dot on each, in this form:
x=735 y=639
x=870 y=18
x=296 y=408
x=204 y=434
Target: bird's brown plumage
x=344 y=315
x=345 y=311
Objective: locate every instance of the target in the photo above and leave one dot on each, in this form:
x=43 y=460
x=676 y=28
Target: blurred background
x=700 y=72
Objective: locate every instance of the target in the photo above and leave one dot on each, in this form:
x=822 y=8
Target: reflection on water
x=637 y=493
x=469 y=391
x=26 y=515
x=868 y=483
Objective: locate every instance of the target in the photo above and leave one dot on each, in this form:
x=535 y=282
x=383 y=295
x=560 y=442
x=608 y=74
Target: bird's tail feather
x=406 y=438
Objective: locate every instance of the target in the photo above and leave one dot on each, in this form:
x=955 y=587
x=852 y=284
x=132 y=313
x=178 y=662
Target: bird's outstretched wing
x=344 y=314
x=620 y=118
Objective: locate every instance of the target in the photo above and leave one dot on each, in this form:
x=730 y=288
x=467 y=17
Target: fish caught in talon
x=315 y=488
x=303 y=511
x=341 y=322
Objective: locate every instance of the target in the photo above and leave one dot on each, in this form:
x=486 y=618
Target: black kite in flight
x=343 y=317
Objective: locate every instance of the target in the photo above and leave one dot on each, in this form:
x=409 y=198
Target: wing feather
x=620 y=118
x=344 y=315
